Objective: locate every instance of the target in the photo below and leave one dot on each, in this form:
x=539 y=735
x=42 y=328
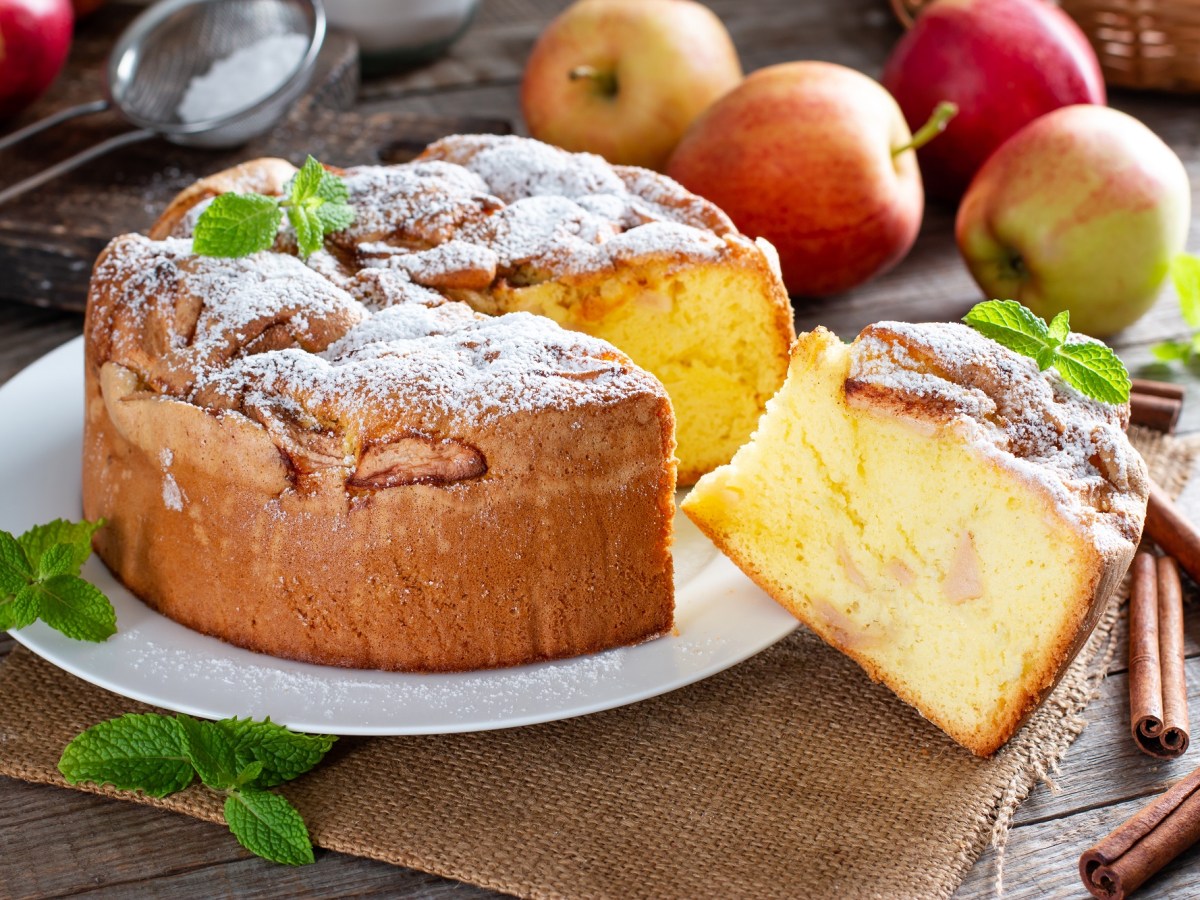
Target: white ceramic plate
x=721 y=619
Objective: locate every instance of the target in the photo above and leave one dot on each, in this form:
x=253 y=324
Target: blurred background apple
x=1083 y=210
x=809 y=156
x=625 y=78
x=35 y=36
x=1002 y=62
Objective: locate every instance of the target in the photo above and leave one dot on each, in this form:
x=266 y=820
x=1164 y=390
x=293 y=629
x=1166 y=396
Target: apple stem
x=604 y=81
x=937 y=123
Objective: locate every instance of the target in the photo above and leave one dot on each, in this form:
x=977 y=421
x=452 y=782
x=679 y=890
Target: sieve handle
x=74 y=162
x=63 y=115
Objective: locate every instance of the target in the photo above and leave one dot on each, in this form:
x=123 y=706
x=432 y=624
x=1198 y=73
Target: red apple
x=625 y=78
x=810 y=156
x=1081 y=210
x=35 y=36
x=1002 y=62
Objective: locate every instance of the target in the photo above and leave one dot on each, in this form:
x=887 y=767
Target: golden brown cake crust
x=378 y=479
x=488 y=219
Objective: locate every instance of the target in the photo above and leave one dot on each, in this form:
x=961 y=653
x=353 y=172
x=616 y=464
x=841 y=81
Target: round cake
x=510 y=224
x=368 y=474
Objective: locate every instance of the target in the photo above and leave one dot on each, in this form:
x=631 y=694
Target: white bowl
x=399 y=32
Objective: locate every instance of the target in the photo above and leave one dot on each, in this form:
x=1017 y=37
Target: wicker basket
x=1153 y=44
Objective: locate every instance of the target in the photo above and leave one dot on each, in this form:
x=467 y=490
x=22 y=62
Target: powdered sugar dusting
x=272 y=338
x=1031 y=422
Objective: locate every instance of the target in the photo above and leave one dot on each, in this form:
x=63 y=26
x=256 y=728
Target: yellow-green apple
x=817 y=159
x=625 y=78
x=1002 y=62
x=1082 y=209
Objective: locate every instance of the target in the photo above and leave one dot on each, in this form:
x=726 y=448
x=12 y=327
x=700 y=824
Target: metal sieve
x=157 y=56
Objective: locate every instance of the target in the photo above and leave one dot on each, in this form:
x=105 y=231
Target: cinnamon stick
x=1154 y=411
x=1123 y=861
x=1145 y=672
x=1158 y=388
x=1174 y=740
x=1169 y=528
x=1158 y=714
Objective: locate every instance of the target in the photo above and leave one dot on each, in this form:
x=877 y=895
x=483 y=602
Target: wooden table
x=57 y=842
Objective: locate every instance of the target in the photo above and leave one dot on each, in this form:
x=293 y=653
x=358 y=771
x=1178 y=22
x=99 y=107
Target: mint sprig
x=39 y=579
x=1090 y=367
x=240 y=758
x=315 y=201
x=1185 y=276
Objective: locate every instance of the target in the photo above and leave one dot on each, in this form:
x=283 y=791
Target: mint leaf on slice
x=1094 y=370
x=305 y=184
x=15 y=570
x=309 y=236
x=284 y=754
x=1060 y=326
x=40 y=538
x=58 y=560
x=78 y=609
x=210 y=752
x=1011 y=325
x=20 y=611
x=237 y=225
x=269 y=826
x=1185 y=276
x=136 y=752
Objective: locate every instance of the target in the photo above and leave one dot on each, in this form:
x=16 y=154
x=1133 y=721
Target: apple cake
x=935 y=507
x=368 y=474
x=624 y=254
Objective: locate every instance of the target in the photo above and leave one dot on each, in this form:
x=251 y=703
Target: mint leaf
x=305 y=184
x=249 y=775
x=1185 y=275
x=1094 y=370
x=20 y=611
x=209 y=751
x=78 y=609
x=284 y=754
x=40 y=538
x=269 y=826
x=1011 y=325
x=1090 y=367
x=309 y=236
x=15 y=570
x=237 y=225
x=332 y=189
x=1060 y=326
x=58 y=560
x=132 y=753
x=335 y=217
x=1172 y=351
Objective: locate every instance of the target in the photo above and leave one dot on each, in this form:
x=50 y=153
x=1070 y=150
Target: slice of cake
x=935 y=507
x=510 y=224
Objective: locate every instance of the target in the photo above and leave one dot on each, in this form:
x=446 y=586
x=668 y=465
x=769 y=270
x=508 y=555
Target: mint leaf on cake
x=1090 y=367
x=237 y=225
x=240 y=758
x=39 y=579
x=1185 y=277
x=315 y=201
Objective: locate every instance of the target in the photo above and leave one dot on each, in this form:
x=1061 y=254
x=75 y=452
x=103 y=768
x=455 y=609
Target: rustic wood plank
x=175 y=856
x=1042 y=860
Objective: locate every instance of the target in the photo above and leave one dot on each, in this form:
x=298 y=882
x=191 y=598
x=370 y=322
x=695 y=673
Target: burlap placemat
x=789 y=774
